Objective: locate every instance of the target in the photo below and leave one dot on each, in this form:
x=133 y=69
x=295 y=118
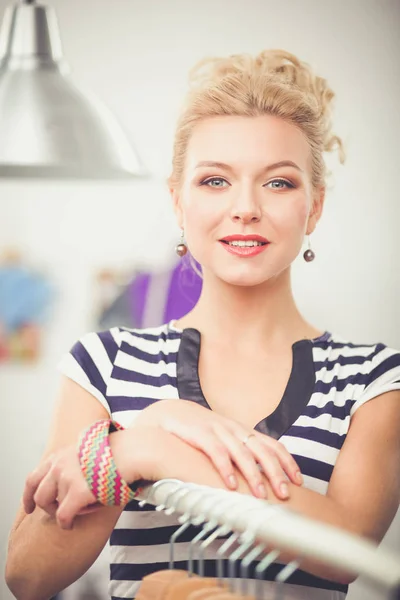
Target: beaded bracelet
x=98 y=466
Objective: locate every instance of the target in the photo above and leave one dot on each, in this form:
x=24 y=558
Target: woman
x=248 y=183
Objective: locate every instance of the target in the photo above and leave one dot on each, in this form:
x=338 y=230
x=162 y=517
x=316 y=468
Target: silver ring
x=246 y=439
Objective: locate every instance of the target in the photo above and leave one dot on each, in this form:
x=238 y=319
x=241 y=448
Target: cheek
x=290 y=214
x=201 y=213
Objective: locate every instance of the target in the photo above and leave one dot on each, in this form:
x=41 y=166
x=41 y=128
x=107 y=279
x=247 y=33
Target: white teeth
x=242 y=243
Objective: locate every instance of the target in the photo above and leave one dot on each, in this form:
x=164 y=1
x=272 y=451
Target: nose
x=246 y=209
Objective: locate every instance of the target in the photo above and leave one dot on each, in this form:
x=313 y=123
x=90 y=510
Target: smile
x=246 y=248
x=242 y=243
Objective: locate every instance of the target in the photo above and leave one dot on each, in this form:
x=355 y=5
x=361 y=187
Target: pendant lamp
x=49 y=127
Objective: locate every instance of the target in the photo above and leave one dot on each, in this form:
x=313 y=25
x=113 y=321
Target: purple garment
x=178 y=289
x=184 y=291
x=155 y=298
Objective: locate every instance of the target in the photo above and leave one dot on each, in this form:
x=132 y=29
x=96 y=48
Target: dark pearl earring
x=309 y=254
x=181 y=248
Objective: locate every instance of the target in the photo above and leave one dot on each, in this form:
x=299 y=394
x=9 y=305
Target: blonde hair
x=274 y=82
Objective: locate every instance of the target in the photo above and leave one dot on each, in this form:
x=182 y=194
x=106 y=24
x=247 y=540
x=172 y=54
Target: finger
x=46 y=494
x=73 y=502
x=244 y=460
x=286 y=460
x=207 y=442
x=75 y=499
x=271 y=467
x=288 y=463
x=221 y=459
x=32 y=483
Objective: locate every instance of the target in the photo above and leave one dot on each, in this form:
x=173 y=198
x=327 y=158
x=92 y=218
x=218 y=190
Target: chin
x=251 y=275
x=246 y=278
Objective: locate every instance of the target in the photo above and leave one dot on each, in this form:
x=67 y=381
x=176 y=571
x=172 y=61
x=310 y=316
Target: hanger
x=209 y=587
x=223 y=591
x=239 y=515
x=174 y=584
x=181 y=590
x=182 y=586
x=220 y=588
x=156 y=585
x=159 y=585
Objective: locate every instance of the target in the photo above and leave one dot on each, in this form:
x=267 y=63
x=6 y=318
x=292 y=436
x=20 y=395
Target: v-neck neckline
x=297 y=394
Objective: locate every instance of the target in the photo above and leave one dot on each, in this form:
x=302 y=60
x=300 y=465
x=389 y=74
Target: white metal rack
x=277 y=527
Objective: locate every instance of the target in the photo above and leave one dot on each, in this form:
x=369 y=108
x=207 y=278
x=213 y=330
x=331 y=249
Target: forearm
x=43 y=559
x=173 y=458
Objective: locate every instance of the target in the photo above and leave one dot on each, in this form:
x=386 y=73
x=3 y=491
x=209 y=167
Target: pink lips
x=244 y=251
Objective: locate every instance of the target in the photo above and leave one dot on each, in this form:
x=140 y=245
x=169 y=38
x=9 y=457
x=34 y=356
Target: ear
x=176 y=204
x=316 y=210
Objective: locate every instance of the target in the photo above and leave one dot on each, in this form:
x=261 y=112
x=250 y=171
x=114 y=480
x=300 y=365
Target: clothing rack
x=276 y=526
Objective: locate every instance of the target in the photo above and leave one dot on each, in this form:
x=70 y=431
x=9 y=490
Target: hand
x=222 y=440
x=58 y=486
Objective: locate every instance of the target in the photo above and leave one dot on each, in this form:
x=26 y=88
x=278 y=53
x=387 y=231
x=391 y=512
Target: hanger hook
x=261 y=568
x=234 y=509
x=245 y=564
x=157 y=484
x=221 y=530
x=283 y=576
x=247 y=542
x=207 y=527
x=184 y=519
x=181 y=493
x=252 y=535
x=221 y=551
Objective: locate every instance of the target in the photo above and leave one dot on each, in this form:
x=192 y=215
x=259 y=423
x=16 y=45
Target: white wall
x=135 y=56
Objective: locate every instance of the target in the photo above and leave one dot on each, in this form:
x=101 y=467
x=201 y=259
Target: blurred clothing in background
x=150 y=298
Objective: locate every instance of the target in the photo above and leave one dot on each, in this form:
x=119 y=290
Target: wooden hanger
x=212 y=592
x=220 y=592
x=231 y=596
x=182 y=589
x=156 y=585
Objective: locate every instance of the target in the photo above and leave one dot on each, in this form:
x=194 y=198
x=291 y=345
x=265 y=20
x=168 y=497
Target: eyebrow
x=220 y=165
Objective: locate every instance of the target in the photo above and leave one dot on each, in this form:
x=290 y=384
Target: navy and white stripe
x=127 y=370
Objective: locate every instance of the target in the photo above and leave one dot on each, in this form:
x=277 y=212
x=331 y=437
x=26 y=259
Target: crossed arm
x=362 y=498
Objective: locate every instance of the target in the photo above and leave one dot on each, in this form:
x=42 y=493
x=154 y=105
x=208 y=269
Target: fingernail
x=284 y=490
x=262 y=490
x=232 y=481
x=299 y=477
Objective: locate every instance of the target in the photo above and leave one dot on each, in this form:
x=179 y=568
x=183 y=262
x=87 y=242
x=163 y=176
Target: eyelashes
x=210 y=180
x=283 y=181
x=206 y=182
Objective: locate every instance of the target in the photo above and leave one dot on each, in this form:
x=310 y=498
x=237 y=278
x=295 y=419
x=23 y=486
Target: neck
x=248 y=315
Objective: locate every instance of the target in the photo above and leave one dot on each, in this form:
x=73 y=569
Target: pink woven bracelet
x=98 y=466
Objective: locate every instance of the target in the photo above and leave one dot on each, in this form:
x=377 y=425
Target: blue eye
x=217 y=180
x=281 y=182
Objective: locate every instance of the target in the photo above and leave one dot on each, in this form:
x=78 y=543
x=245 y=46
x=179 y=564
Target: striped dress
x=128 y=369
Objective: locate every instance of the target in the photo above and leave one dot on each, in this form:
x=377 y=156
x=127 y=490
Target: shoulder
x=150 y=339
x=100 y=347
x=336 y=347
x=97 y=356
x=365 y=370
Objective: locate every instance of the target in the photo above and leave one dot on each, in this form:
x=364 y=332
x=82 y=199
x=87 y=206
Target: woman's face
x=246 y=176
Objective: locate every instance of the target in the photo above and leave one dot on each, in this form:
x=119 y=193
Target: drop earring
x=309 y=254
x=181 y=248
